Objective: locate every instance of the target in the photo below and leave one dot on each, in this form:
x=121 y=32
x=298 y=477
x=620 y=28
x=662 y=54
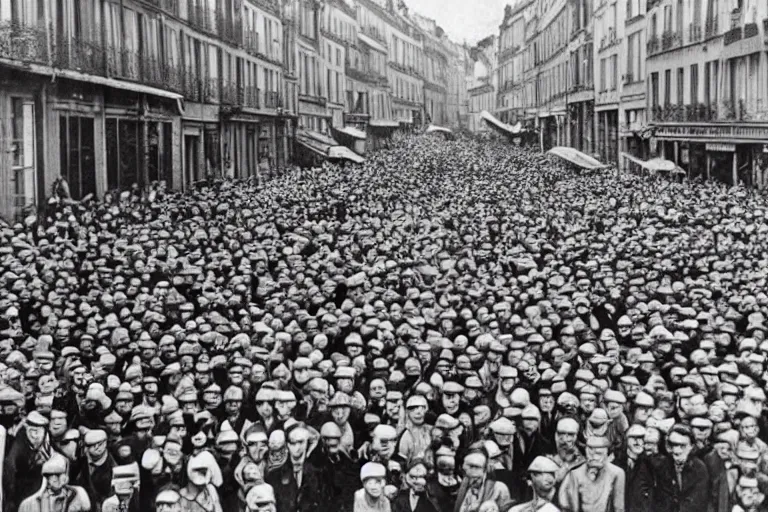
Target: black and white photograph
x=383 y=255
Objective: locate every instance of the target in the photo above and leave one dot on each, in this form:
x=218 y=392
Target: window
x=694 y=84
x=680 y=86
x=667 y=87
x=654 y=89
x=602 y=75
x=707 y=83
x=614 y=70
x=76 y=150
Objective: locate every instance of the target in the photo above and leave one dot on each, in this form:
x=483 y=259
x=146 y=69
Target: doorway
x=191 y=159
x=18 y=161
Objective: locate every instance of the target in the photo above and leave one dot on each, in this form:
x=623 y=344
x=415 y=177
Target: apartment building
x=551 y=61
x=510 y=103
x=435 y=70
x=580 y=97
x=405 y=67
x=633 y=121
x=338 y=28
x=707 y=88
x=370 y=62
x=108 y=94
x=484 y=82
x=607 y=50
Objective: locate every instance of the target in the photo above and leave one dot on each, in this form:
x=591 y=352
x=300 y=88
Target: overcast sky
x=470 y=20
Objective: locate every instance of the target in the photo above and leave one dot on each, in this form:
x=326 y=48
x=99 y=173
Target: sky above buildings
x=463 y=20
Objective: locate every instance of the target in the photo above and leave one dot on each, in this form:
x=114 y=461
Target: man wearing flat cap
x=595 y=486
x=57 y=495
x=677 y=482
x=22 y=469
x=541 y=474
x=95 y=476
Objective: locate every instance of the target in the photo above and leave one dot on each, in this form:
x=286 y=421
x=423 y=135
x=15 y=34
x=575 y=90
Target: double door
x=18 y=155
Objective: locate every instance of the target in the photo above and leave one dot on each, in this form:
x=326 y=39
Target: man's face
x=749 y=428
x=96 y=451
x=651 y=443
x=56 y=482
x=417 y=414
x=503 y=440
x=543 y=483
x=636 y=444
x=565 y=438
x=614 y=410
x=377 y=389
x=35 y=435
x=332 y=444
x=596 y=456
x=642 y=414
x=386 y=446
x=172 y=453
x=345 y=385
x=679 y=446
x=546 y=403
x=702 y=434
x=416 y=478
x=374 y=487
x=232 y=407
x=451 y=402
x=297 y=445
x=284 y=408
x=588 y=403
x=257 y=448
x=340 y=415
x=724 y=450
x=264 y=409
x=474 y=467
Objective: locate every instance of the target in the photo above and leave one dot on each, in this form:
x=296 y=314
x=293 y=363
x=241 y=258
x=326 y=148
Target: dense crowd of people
x=453 y=326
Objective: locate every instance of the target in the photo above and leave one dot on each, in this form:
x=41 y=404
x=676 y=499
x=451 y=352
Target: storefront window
x=76 y=151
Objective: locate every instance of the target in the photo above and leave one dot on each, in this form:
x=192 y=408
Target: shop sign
x=713 y=131
x=717 y=146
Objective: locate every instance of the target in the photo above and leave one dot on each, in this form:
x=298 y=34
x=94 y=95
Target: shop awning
x=371 y=42
x=326 y=146
x=383 y=123
x=500 y=126
x=433 y=128
x=352 y=132
x=655 y=164
x=344 y=153
x=94 y=79
x=576 y=157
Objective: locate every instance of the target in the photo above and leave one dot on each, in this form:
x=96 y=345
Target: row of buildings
x=112 y=93
x=685 y=80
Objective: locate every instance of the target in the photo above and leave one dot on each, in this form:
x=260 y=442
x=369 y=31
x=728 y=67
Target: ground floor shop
x=552 y=131
x=734 y=154
x=608 y=135
x=581 y=126
x=101 y=138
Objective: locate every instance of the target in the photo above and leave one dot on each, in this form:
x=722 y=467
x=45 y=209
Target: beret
x=543 y=464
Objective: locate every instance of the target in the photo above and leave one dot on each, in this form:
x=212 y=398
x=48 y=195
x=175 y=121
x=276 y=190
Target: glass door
x=21 y=186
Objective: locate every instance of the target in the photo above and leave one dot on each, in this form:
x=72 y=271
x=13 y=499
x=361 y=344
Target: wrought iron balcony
x=229 y=30
x=373 y=32
x=733 y=35
x=251 y=96
x=734 y=110
x=750 y=30
x=170 y=6
x=670 y=40
x=210 y=90
x=711 y=28
x=674 y=113
x=202 y=19
x=653 y=45
x=272 y=99
x=122 y=63
x=79 y=55
x=231 y=94
x=25 y=43
x=694 y=32
x=192 y=85
x=251 y=42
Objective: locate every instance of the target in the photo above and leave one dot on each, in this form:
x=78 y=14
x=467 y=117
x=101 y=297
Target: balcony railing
x=670 y=40
x=694 y=32
x=228 y=30
x=654 y=45
x=251 y=97
x=23 y=43
x=251 y=42
x=272 y=99
x=230 y=94
x=210 y=90
x=732 y=36
x=170 y=6
x=79 y=55
x=734 y=110
x=711 y=28
x=373 y=32
x=202 y=19
x=684 y=113
x=750 y=30
x=191 y=85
